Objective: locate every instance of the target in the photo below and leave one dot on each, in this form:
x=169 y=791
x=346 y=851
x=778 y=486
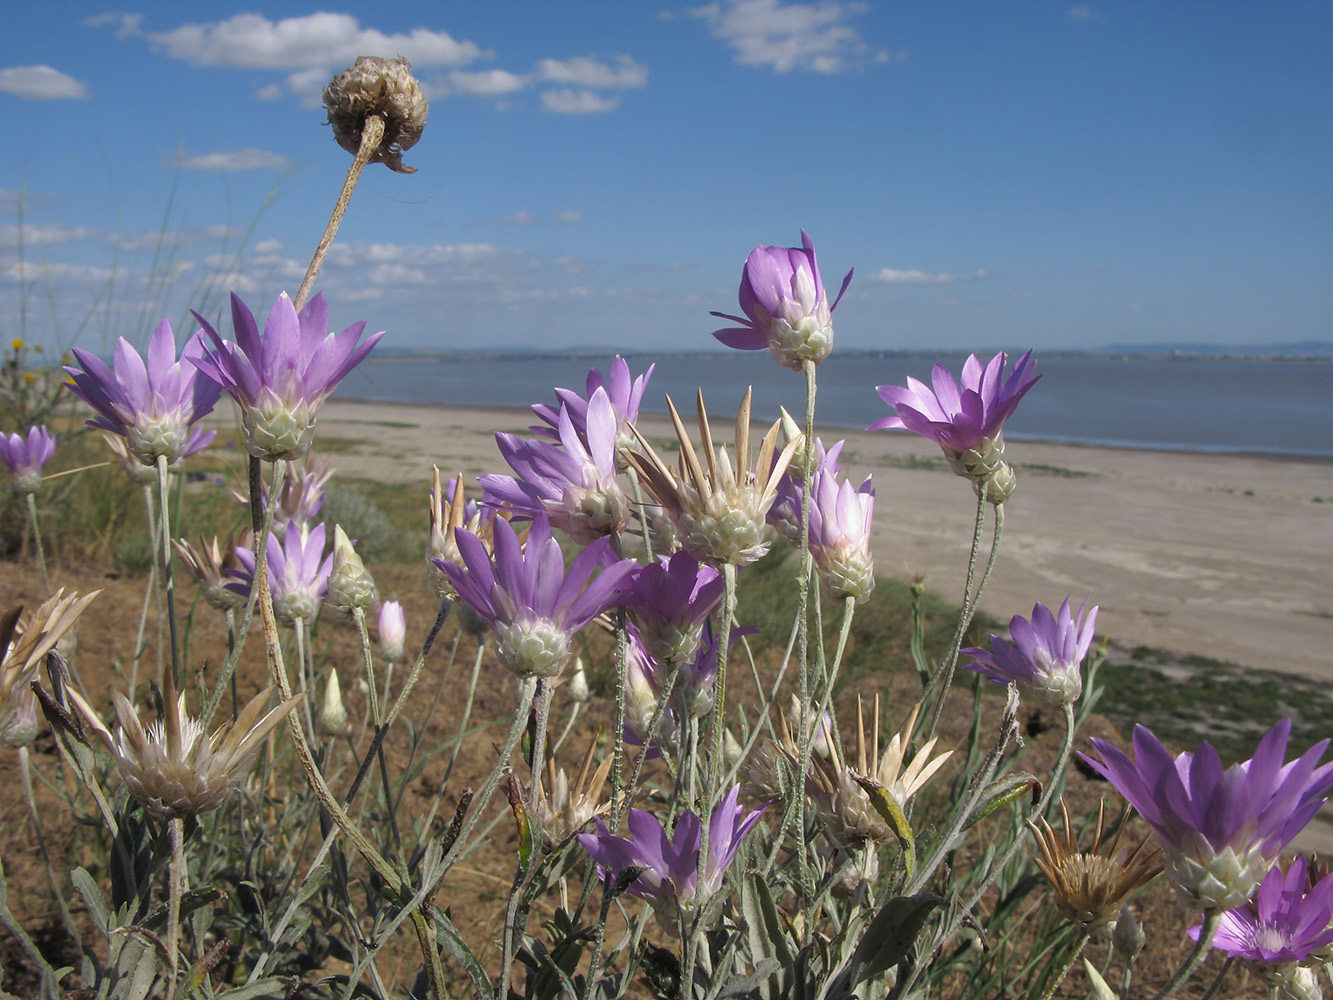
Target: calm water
x=1193 y=404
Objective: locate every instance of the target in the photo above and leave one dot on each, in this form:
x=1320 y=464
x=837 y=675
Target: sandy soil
x=1221 y=556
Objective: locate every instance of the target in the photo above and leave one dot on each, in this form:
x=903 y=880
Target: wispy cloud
x=1083 y=13
x=486 y=83
x=568 y=216
x=240 y=159
x=45 y=234
x=519 y=219
x=41 y=83
x=914 y=276
x=587 y=71
x=788 y=36
x=319 y=39
x=568 y=101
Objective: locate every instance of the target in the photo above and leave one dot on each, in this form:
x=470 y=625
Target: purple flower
x=528 y=597
x=1045 y=655
x=1287 y=921
x=301 y=495
x=1220 y=829
x=670 y=875
x=669 y=601
x=840 y=521
x=785 y=305
x=572 y=483
x=298 y=573
x=282 y=379
x=393 y=630
x=626 y=397
x=153 y=405
x=26 y=456
x=785 y=514
x=966 y=420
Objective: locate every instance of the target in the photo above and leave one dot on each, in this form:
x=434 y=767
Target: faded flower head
x=670 y=879
x=1221 y=828
x=152 y=405
x=966 y=418
x=573 y=483
x=624 y=392
x=23 y=646
x=209 y=566
x=377 y=86
x=1288 y=922
x=564 y=807
x=1043 y=659
x=719 y=510
x=281 y=380
x=172 y=766
x=1091 y=886
x=25 y=456
x=527 y=596
x=837 y=788
x=449 y=511
x=785 y=305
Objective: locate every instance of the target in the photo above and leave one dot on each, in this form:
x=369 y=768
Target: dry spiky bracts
x=1091 y=886
x=22 y=649
x=563 y=807
x=719 y=510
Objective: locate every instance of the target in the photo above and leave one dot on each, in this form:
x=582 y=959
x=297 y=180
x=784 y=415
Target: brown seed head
x=377 y=86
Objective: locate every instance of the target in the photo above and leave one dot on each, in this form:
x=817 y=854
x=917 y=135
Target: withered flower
x=719 y=510
x=383 y=87
x=208 y=566
x=22 y=649
x=1091 y=885
x=172 y=767
x=563 y=807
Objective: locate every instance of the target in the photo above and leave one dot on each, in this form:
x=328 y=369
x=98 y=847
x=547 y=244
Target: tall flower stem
x=371 y=135
x=148 y=595
x=25 y=770
x=618 y=730
x=944 y=676
x=1066 y=966
x=718 y=743
x=806 y=735
x=1195 y=958
x=176 y=878
x=37 y=541
x=168 y=584
x=1212 y=987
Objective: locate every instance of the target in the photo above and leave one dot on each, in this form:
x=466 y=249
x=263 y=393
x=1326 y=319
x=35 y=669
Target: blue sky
x=1000 y=175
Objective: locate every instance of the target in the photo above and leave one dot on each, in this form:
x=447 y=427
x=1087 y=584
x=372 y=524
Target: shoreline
x=1196 y=553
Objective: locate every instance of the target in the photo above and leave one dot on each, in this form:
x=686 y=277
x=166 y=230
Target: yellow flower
x=17 y=343
x=29 y=378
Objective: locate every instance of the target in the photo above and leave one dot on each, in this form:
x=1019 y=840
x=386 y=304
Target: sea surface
x=1179 y=403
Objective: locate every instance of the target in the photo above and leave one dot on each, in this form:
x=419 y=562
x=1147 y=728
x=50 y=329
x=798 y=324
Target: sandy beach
x=1224 y=556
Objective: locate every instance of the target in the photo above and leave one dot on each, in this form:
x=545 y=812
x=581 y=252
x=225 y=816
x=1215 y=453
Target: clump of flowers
x=785 y=305
x=719 y=509
x=280 y=380
x=151 y=405
x=25 y=456
x=965 y=418
x=1043 y=659
x=1221 y=828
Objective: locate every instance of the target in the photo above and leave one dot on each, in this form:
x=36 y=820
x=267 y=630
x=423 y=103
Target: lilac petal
x=161 y=354
x=742 y=338
x=132 y=375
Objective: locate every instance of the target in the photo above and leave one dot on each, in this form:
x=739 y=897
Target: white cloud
x=787 y=36
x=914 y=276
x=127 y=25
x=314 y=40
x=567 y=217
x=1084 y=13
x=519 y=219
x=586 y=71
x=40 y=83
x=240 y=159
x=568 y=101
x=486 y=83
x=45 y=234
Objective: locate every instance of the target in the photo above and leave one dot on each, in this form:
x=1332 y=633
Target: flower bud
x=1128 y=938
x=18 y=719
x=350 y=584
x=332 y=718
x=393 y=631
x=578 y=684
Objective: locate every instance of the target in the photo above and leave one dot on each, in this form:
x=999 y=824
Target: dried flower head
x=563 y=807
x=172 y=767
x=377 y=86
x=22 y=649
x=449 y=511
x=208 y=565
x=1091 y=886
x=719 y=510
